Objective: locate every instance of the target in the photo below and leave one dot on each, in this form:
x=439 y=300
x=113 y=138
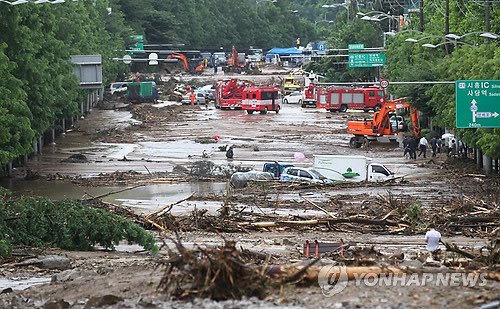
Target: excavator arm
x=180 y=57
x=414 y=121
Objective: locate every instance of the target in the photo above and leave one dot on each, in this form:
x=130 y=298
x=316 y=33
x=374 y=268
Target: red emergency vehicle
x=262 y=98
x=342 y=99
x=309 y=96
x=228 y=94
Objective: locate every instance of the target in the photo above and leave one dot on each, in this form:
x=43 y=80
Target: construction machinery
x=236 y=63
x=187 y=68
x=368 y=130
x=229 y=94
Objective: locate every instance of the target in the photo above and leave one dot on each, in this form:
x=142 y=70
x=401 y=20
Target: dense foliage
x=65 y=224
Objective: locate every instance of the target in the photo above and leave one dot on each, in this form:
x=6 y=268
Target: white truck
x=351 y=168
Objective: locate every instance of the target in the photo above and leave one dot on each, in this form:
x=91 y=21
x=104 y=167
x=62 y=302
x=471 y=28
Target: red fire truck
x=262 y=98
x=228 y=94
x=309 y=96
x=342 y=99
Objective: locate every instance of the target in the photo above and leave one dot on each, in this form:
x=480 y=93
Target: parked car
x=397 y=121
x=303 y=174
x=118 y=87
x=210 y=95
x=200 y=98
x=294 y=97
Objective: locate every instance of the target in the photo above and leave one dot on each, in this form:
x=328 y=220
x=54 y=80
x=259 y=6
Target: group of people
x=410 y=145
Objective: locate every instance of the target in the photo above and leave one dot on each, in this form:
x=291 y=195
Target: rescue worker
x=412 y=144
x=423 y=146
x=192 y=96
x=406 y=147
x=433 y=143
x=229 y=153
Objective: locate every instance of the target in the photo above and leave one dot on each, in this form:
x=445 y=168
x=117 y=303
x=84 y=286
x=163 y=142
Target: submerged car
x=303 y=174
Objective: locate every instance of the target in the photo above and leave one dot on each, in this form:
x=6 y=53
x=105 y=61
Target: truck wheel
x=343 y=108
x=354 y=142
x=249 y=112
x=264 y=111
x=377 y=107
x=366 y=143
x=300 y=102
x=277 y=109
x=285 y=101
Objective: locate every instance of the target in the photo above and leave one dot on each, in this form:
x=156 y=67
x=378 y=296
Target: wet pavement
x=257 y=139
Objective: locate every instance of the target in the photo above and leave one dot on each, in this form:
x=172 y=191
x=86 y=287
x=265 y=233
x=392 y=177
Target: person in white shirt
x=423 y=146
x=432 y=238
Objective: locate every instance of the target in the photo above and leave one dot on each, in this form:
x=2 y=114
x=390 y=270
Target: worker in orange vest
x=192 y=97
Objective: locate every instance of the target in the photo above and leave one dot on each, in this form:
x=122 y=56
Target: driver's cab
x=378 y=172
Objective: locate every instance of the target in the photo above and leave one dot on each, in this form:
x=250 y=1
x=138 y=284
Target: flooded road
x=256 y=138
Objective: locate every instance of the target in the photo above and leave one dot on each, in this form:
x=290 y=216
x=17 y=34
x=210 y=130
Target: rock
x=411 y=263
x=432 y=263
x=48 y=262
x=101 y=301
x=56 y=304
x=7 y=290
x=69 y=275
x=76 y=158
x=287 y=242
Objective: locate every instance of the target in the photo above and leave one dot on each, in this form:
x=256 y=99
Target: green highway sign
x=477 y=103
x=356 y=46
x=366 y=60
x=137 y=37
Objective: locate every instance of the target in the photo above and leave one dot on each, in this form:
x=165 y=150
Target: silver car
x=199 y=99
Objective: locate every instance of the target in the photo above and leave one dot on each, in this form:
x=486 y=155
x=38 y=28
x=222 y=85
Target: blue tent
x=284 y=51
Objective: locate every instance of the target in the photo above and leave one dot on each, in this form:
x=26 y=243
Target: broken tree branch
x=112 y=192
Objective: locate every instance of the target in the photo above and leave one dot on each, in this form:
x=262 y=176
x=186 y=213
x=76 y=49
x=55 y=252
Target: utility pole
x=421 y=15
x=487 y=20
x=447 y=24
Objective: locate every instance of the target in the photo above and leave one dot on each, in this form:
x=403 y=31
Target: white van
x=118 y=87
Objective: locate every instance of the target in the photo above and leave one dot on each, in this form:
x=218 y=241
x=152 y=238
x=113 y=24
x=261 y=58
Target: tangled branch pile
x=218 y=274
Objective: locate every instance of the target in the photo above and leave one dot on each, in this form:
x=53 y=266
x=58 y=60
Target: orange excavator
x=368 y=130
x=237 y=63
x=184 y=60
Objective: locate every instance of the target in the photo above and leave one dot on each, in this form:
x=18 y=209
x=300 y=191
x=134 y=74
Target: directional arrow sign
x=477 y=103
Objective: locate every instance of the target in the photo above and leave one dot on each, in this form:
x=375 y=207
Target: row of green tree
x=37 y=86
x=407 y=61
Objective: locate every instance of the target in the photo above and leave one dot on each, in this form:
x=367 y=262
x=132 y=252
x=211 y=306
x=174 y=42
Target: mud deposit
x=160 y=147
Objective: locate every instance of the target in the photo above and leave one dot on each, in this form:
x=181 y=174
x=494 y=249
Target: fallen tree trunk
x=345 y=273
x=318 y=222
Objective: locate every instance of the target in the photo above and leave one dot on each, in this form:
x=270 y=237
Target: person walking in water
x=423 y=146
x=230 y=153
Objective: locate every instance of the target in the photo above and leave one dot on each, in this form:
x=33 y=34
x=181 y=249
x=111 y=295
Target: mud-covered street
x=173 y=150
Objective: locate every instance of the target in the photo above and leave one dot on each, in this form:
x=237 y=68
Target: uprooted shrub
x=214 y=273
x=68 y=224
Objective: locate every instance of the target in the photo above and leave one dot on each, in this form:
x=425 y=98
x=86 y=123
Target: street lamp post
x=324 y=20
x=336 y=5
x=447 y=42
x=451 y=38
